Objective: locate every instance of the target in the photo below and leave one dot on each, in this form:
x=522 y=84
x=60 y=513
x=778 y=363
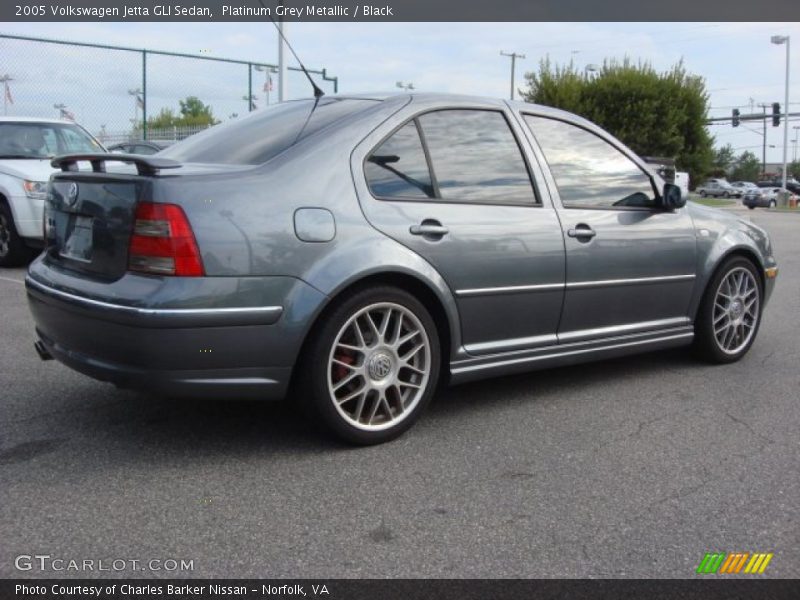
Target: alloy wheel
x=379 y=366
x=736 y=310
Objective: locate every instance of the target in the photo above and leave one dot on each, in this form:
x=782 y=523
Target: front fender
x=719 y=235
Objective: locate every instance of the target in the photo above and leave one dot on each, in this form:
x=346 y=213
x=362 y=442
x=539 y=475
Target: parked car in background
x=760 y=197
x=744 y=186
x=791 y=185
x=26 y=147
x=718 y=188
x=365 y=248
x=143 y=147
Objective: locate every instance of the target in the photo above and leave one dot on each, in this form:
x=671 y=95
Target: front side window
x=589 y=171
x=476 y=158
x=398 y=168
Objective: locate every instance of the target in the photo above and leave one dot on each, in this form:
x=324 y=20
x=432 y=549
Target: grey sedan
x=361 y=250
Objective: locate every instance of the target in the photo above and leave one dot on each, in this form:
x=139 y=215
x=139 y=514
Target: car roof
x=35 y=120
x=445 y=98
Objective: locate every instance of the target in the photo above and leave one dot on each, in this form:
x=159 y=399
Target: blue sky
x=736 y=59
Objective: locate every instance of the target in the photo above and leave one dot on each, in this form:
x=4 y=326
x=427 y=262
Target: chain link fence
x=112 y=90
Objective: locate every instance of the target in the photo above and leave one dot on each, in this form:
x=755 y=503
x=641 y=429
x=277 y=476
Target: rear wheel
x=13 y=251
x=703 y=194
x=725 y=195
x=373 y=365
x=730 y=313
x=772 y=204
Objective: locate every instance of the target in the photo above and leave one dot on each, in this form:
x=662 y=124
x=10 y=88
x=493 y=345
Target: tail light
x=163 y=242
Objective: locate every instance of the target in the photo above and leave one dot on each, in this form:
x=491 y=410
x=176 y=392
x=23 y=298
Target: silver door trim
x=509 y=289
x=633 y=281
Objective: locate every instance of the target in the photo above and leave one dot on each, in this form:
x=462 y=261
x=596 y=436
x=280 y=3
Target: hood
x=32 y=169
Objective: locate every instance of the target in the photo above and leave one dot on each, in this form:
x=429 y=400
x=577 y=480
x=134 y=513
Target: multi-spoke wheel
x=374 y=365
x=730 y=313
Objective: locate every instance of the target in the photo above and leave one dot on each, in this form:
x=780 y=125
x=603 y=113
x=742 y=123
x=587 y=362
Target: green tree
x=724 y=159
x=746 y=168
x=193 y=113
x=655 y=114
x=793 y=168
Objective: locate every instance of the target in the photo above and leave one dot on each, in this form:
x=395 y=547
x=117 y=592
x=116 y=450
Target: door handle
x=582 y=231
x=429 y=229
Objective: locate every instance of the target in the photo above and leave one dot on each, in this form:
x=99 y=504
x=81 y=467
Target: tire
x=703 y=194
x=13 y=251
x=726 y=195
x=734 y=300
x=361 y=380
x=772 y=204
x=751 y=207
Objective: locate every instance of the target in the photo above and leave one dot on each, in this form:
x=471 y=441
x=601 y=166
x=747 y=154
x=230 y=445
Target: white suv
x=26 y=147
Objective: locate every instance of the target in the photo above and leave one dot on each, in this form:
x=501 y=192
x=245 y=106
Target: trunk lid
x=89 y=220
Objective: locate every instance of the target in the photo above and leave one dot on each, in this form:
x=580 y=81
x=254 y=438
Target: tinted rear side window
x=476 y=158
x=265 y=133
x=398 y=169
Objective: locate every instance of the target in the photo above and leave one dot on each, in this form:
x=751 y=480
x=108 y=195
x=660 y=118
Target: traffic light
x=735 y=117
x=776 y=114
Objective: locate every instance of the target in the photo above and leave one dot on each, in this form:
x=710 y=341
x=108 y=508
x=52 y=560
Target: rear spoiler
x=145 y=165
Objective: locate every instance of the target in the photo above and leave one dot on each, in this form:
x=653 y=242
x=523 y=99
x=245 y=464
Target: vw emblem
x=380 y=365
x=72 y=194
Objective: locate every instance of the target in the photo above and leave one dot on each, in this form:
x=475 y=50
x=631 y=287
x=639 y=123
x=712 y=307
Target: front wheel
x=373 y=365
x=703 y=194
x=726 y=195
x=730 y=312
x=772 y=204
x=13 y=251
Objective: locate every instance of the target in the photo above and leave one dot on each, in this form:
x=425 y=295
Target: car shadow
x=134 y=423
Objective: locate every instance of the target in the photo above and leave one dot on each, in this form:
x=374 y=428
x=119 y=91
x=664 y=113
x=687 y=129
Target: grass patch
x=713 y=201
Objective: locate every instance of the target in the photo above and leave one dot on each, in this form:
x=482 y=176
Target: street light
x=778 y=40
x=405 y=86
x=137 y=100
x=6 y=92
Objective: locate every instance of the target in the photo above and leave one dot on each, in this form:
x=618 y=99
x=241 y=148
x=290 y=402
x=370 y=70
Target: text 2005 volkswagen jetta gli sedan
x=365 y=248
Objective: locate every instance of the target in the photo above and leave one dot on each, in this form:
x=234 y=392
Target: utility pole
x=282 y=72
x=513 y=56
x=796 y=133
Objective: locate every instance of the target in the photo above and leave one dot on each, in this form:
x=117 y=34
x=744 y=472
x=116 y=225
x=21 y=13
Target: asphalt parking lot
x=634 y=467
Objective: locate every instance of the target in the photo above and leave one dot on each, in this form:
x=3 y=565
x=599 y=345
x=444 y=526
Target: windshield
x=263 y=134
x=44 y=140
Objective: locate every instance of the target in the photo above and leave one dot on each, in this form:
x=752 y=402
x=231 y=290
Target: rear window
x=263 y=134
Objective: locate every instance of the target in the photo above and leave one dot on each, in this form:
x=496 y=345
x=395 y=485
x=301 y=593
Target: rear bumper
x=216 y=351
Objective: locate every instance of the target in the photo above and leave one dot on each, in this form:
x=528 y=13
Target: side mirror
x=672 y=197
